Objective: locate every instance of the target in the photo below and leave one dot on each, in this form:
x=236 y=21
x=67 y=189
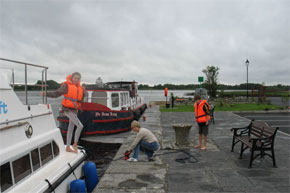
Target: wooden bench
x=258 y=136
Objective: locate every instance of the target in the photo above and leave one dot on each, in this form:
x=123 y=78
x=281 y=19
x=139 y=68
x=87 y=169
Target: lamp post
x=247 y=64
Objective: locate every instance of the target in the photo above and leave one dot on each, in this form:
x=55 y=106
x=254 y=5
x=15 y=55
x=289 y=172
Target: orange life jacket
x=200 y=114
x=74 y=94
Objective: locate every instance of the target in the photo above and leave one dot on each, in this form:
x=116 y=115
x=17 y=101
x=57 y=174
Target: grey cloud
x=150 y=41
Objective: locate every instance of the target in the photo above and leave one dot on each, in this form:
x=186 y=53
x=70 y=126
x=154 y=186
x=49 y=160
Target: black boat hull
x=102 y=121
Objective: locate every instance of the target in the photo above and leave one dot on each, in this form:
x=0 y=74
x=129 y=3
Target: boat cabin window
x=35 y=159
x=6 y=178
x=55 y=149
x=127 y=97
x=115 y=100
x=100 y=98
x=46 y=153
x=123 y=99
x=21 y=168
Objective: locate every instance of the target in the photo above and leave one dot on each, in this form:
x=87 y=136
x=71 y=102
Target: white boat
x=32 y=151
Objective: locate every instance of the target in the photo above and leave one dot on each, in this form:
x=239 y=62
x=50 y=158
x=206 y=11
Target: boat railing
x=98 y=97
x=43 y=76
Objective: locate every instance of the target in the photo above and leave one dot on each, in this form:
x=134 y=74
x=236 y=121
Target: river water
x=34 y=97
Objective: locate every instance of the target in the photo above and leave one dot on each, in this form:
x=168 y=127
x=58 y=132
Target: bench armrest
x=232 y=129
x=242 y=131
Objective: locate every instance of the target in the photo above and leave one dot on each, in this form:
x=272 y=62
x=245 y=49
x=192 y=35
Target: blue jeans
x=146 y=147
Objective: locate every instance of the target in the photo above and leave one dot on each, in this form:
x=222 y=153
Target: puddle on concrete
x=132 y=184
x=255 y=173
x=150 y=178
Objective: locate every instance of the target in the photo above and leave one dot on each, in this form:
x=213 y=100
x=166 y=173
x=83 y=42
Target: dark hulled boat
x=108 y=108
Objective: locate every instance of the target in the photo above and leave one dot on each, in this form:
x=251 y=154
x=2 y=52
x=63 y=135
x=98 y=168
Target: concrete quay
x=142 y=176
x=217 y=170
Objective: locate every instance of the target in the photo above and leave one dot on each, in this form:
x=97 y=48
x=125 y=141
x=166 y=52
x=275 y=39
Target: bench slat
x=245 y=140
x=269 y=130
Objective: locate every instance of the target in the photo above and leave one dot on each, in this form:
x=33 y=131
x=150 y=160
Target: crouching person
x=145 y=141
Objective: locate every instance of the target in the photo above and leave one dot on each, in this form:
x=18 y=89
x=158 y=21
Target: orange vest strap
x=72 y=99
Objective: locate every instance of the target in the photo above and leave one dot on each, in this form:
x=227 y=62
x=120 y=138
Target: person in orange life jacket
x=73 y=94
x=202 y=117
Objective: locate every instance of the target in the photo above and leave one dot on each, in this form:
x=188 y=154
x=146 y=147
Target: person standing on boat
x=202 y=117
x=144 y=141
x=73 y=94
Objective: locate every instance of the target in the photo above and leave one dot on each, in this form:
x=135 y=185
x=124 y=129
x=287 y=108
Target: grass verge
x=226 y=107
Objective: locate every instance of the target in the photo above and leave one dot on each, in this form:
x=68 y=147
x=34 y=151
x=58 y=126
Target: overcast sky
x=150 y=41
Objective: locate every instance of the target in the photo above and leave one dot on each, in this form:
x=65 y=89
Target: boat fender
x=91 y=175
x=78 y=186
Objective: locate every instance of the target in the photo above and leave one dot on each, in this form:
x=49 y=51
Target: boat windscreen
x=100 y=98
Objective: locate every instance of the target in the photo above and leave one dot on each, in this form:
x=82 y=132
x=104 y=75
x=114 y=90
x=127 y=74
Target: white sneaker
x=131 y=159
x=158 y=148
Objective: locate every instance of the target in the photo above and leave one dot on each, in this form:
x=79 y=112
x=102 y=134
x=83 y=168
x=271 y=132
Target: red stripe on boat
x=102 y=121
x=112 y=120
x=102 y=132
x=94 y=107
x=99 y=107
x=63 y=120
x=107 y=131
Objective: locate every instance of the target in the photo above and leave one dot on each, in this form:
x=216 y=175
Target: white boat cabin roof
x=4 y=83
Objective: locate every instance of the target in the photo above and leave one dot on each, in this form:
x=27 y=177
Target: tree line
x=242 y=86
x=53 y=85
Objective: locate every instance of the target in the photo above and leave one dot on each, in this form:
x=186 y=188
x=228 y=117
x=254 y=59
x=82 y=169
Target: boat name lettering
x=106 y=114
x=3 y=107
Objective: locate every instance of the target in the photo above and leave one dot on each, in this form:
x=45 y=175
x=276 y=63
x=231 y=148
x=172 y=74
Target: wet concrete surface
x=218 y=169
x=142 y=176
x=277 y=119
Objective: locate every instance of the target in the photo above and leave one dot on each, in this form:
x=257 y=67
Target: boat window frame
x=11 y=176
x=30 y=160
x=127 y=98
x=58 y=151
x=112 y=101
x=22 y=157
x=40 y=153
x=92 y=97
x=122 y=99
